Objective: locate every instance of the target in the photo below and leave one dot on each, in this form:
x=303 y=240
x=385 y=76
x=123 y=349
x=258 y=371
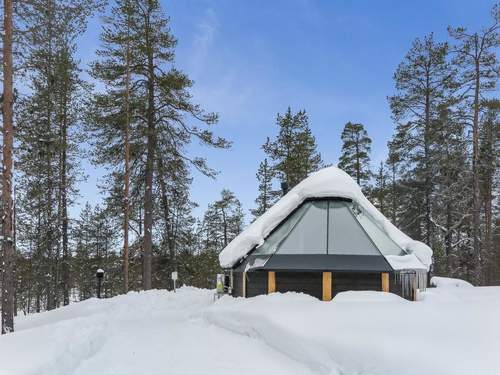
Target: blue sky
x=253 y=59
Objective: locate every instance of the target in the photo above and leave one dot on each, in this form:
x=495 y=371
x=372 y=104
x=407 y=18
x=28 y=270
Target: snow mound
x=448 y=282
x=326 y=183
x=368 y=296
x=190 y=333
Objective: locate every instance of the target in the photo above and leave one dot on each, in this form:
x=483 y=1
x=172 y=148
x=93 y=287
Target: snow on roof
x=328 y=182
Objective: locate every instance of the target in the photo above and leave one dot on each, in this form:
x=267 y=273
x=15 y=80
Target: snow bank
x=452 y=331
x=368 y=296
x=355 y=335
x=154 y=332
x=448 y=282
x=328 y=182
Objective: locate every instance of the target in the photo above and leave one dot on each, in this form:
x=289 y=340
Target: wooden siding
x=302 y=282
x=395 y=287
x=237 y=284
x=256 y=283
x=345 y=281
x=311 y=283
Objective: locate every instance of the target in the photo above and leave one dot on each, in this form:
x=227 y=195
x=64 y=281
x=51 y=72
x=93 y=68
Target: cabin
x=321 y=238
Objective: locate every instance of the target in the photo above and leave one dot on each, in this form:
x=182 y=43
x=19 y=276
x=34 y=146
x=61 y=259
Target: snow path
x=451 y=331
x=148 y=333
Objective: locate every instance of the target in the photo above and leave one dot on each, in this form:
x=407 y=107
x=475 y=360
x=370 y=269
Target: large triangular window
x=345 y=234
x=328 y=227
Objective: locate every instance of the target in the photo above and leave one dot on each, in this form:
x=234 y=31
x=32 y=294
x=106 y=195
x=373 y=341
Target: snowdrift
x=451 y=331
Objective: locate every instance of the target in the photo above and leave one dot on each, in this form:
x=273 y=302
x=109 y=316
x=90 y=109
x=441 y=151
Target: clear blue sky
x=253 y=59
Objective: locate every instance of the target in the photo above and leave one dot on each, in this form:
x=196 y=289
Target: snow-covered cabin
x=321 y=238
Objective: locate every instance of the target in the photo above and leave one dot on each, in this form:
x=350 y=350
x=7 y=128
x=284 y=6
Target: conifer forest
x=131 y=112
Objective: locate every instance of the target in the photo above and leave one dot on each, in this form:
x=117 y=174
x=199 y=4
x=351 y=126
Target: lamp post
x=99 y=274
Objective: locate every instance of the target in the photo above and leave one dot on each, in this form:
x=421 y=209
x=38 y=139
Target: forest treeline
x=133 y=114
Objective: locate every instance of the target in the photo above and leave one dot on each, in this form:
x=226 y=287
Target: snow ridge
x=188 y=333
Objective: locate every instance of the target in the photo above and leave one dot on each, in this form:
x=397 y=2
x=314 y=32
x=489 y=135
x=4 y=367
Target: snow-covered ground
x=450 y=331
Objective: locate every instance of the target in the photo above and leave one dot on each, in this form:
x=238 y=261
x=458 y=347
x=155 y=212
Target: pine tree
x=159 y=99
x=355 y=158
x=267 y=196
x=423 y=81
x=95 y=236
x=407 y=201
x=479 y=72
x=451 y=187
x=294 y=152
x=175 y=182
x=49 y=119
x=393 y=196
x=222 y=221
x=381 y=190
x=489 y=156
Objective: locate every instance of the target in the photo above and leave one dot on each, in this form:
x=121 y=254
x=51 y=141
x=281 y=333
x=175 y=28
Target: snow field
x=450 y=331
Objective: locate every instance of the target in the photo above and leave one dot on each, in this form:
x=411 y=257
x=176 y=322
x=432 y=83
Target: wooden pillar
x=385 y=282
x=271 y=282
x=327 y=286
x=244 y=285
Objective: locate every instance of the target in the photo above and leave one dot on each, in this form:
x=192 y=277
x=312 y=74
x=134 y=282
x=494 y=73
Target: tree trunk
x=448 y=239
x=64 y=206
x=476 y=204
x=51 y=268
x=166 y=214
x=126 y=201
x=427 y=163
x=8 y=139
x=148 y=197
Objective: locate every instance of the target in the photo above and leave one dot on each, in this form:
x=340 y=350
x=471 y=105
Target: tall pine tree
x=355 y=157
x=423 y=81
x=267 y=196
x=475 y=54
x=160 y=104
x=293 y=152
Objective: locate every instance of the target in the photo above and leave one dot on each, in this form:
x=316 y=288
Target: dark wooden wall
x=302 y=282
x=395 y=287
x=256 y=283
x=344 y=281
x=237 y=284
x=310 y=283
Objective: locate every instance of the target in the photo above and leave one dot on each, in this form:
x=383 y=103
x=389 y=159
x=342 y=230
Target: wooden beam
x=327 y=286
x=385 y=282
x=244 y=285
x=271 y=282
